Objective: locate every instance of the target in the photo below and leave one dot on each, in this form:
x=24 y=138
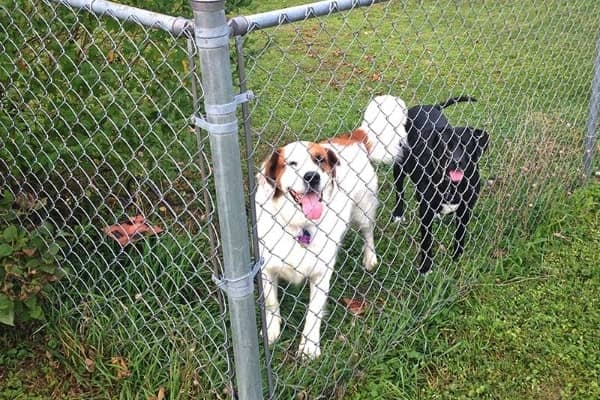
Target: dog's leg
x=370 y=257
x=427 y=215
x=364 y=216
x=399 y=175
x=273 y=315
x=310 y=346
x=463 y=216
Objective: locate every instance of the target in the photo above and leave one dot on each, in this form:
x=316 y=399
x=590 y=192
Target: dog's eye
x=293 y=164
x=319 y=159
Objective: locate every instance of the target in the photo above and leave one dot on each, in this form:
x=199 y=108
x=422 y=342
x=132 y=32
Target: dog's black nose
x=312 y=179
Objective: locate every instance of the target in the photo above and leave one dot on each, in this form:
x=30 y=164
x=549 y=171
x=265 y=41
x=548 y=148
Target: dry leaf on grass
x=161 y=393
x=499 y=252
x=129 y=231
x=28 y=252
x=121 y=365
x=355 y=306
x=90 y=365
x=375 y=77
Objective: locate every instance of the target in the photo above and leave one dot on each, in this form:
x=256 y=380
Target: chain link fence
x=97 y=142
x=528 y=64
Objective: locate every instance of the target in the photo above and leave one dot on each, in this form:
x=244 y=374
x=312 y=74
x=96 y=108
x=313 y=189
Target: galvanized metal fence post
x=212 y=39
x=592 y=124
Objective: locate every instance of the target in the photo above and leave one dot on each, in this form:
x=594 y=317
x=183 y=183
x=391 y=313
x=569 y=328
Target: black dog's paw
x=398 y=214
x=426 y=265
x=458 y=251
x=399 y=219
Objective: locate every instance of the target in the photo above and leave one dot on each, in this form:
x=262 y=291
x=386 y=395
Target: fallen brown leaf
x=355 y=306
x=110 y=57
x=499 y=252
x=90 y=365
x=555 y=234
x=121 y=365
x=28 y=252
x=127 y=232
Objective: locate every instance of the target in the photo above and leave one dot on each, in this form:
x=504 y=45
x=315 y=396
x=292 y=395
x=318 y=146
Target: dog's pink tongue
x=456 y=175
x=311 y=206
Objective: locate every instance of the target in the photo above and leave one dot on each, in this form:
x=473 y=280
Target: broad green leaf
x=53 y=249
x=11 y=233
x=37 y=242
x=46 y=229
x=34 y=309
x=47 y=268
x=5 y=250
x=7 y=199
x=34 y=263
x=7 y=310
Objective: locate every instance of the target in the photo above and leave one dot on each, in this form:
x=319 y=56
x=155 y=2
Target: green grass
x=119 y=110
x=312 y=81
x=29 y=369
x=528 y=332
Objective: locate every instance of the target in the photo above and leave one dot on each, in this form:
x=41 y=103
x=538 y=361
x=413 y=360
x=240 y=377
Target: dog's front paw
x=370 y=260
x=458 y=251
x=273 y=329
x=308 y=349
x=400 y=219
x=426 y=265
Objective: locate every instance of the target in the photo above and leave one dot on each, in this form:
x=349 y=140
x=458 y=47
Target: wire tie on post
x=222 y=109
x=238 y=288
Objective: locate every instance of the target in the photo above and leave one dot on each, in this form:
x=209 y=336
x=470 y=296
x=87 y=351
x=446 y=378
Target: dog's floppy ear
x=272 y=169
x=332 y=160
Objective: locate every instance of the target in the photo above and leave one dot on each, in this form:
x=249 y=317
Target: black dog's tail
x=454 y=100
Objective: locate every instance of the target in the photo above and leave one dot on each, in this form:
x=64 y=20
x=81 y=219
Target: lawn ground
x=530 y=331
x=129 y=323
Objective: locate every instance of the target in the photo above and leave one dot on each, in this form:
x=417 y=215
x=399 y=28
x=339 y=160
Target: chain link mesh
x=529 y=65
x=94 y=122
x=95 y=132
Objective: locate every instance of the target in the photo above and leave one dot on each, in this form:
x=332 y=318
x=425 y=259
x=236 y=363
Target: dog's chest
x=452 y=197
x=297 y=256
x=447 y=208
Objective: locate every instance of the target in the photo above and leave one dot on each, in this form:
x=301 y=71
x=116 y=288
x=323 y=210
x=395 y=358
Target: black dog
x=442 y=162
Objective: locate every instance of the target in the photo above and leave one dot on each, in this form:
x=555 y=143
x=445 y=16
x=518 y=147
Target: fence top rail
x=244 y=24
x=177 y=26
x=241 y=25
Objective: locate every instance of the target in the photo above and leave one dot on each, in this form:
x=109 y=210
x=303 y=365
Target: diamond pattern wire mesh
x=529 y=66
x=95 y=130
x=94 y=122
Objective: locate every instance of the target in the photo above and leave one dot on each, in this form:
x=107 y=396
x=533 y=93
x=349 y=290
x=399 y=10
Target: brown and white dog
x=307 y=196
